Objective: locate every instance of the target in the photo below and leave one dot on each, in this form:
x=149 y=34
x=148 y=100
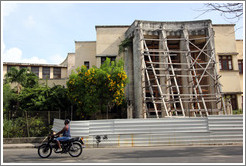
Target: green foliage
x=97 y=89
x=240 y=111
x=44 y=98
x=22 y=77
x=8 y=95
x=124 y=44
x=29 y=96
x=17 y=127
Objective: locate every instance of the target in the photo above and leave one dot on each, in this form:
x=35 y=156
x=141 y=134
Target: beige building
x=55 y=74
x=228 y=55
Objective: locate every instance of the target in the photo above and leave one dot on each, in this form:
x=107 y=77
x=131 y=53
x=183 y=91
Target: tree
x=8 y=97
x=96 y=90
x=22 y=77
x=44 y=98
x=230 y=11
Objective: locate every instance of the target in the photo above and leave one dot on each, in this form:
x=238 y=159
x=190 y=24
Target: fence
x=153 y=132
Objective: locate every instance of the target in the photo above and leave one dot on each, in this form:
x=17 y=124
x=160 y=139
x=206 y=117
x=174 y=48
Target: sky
x=45 y=32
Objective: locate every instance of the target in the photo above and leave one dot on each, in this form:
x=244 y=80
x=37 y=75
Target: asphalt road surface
x=161 y=154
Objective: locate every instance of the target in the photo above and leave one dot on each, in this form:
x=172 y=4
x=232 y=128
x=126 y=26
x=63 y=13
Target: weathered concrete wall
x=137 y=76
x=54 y=82
x=225 y=44
x=225 y=38
x=239 y=45
x=85 y=51
x=129 y=91
x=108 y=39
x=4 y=69
x=70 y=63
x=23 y=140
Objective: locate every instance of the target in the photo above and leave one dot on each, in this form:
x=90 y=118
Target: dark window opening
x=103 y=59
x=240 y=66
x=225 y=62
x=233 y=99
x=46 y=73
x=56 y=73
x=35 y=70
x=87 y=64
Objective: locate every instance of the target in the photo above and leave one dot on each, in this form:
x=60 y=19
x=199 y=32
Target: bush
x=240 y=111
x=17 y=127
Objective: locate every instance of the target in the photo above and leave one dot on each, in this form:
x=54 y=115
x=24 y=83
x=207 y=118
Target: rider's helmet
x=66 y=121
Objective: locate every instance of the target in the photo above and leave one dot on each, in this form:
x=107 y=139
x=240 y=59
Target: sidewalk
x=25 y=145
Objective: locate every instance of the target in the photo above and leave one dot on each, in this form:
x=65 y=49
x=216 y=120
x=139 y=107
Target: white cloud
x=15 y=55
x=30 y=22
x=56 y=59
x=8 y=8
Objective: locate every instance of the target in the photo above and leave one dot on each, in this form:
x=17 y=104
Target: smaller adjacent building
x=55 y=74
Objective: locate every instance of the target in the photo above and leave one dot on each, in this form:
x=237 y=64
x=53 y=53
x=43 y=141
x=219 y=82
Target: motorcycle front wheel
x=75 y=149
x=44 y=151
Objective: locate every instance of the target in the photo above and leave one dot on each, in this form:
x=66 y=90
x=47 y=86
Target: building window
x=9 y=67
x=233 y=99
x=103 y=59
x=240 y=66
x=35 y=70
x=57 y=73
x=87 y=64
x=225 y=62
x=23 y=67
x=46 y=73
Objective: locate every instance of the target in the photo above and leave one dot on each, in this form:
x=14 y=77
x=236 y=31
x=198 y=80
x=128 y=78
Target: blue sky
x=35 y=32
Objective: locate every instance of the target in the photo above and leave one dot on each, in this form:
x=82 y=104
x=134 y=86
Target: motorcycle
x=73 y=146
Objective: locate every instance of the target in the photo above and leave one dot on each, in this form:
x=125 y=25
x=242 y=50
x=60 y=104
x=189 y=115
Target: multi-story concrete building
x=174 y=68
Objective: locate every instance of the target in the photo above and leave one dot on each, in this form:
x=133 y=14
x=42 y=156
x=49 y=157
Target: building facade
x=54 y=74
x=200 y=60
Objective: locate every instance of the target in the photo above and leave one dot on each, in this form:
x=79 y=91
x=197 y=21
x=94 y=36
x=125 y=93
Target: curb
x=13 y=146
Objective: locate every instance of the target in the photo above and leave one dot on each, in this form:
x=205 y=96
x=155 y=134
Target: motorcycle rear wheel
x=75 y=149
x=44 y=151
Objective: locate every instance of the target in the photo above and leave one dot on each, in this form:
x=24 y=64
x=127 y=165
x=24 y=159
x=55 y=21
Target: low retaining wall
x=23 y=140
x=153 y=132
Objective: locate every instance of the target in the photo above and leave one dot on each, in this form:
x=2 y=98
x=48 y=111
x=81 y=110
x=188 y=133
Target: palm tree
x=22 y=77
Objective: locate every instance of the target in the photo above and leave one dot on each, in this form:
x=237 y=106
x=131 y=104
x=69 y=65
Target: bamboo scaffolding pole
x=194 y=72
x=151 y=93
x=190 y=75
x=163 y=32
x=148 y=79
x=155 y=77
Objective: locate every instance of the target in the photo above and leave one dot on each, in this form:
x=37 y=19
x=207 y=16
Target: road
x=163 y=154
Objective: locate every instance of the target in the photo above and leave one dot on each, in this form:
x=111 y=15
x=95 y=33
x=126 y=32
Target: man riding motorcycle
x=65 y=134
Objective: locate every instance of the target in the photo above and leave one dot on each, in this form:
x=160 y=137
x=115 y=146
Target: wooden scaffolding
x=179 y=72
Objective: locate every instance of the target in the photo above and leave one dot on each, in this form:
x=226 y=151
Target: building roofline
x=32 y=64
x=223 y=24
x=172 y=21
x=159 y=24
x=85 y=41
x=112 y=26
